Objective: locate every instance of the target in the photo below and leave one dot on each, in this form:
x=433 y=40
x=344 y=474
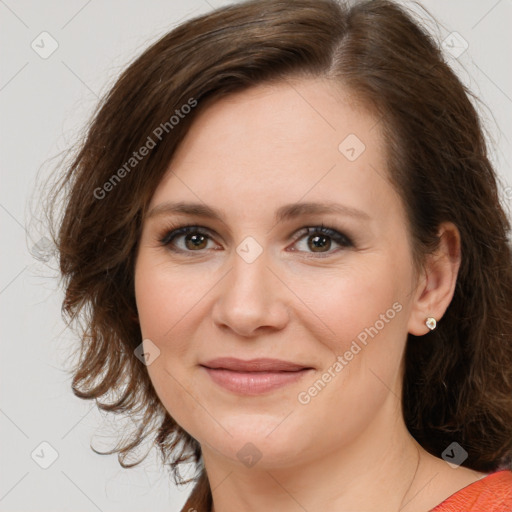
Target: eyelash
x=174 y=232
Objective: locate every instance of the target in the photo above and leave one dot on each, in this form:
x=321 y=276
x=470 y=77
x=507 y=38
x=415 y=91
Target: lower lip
x=253 y=383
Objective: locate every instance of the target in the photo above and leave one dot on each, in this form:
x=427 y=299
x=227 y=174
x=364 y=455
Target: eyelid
x=337 y=236
x=322 y=229
x=182 y=229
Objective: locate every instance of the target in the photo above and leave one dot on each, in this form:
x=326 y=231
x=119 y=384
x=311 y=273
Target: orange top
x=493 y=493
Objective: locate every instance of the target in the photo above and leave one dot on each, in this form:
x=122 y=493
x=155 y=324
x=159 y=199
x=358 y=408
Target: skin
x=347 y=449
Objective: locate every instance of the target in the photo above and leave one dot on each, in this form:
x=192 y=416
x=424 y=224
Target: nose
x=251 y=298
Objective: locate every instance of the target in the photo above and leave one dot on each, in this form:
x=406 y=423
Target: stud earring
x=431 y=323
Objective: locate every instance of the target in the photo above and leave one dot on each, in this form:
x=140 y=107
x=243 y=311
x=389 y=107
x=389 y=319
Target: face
x=268 y=276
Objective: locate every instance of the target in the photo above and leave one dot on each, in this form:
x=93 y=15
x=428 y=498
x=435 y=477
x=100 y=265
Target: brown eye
x=195 y=241
x=318 y=243
x=186 y=239
x=319 y=239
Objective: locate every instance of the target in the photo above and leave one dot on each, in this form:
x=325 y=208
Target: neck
x=378 y=471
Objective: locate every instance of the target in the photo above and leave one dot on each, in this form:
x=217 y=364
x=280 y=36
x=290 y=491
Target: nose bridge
x=250 y=264
x=250 y=297
x=248 y=280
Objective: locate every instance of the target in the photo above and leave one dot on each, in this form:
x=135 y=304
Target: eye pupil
x=318 y=242
x=196 y=240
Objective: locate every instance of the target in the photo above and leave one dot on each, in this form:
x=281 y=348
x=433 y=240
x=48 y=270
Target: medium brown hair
x=457 y=383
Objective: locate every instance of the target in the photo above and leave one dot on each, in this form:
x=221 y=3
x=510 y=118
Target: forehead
x=271 y=118
x=277 y=143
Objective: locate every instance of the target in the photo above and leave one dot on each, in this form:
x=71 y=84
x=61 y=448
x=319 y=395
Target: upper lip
x=254 y=365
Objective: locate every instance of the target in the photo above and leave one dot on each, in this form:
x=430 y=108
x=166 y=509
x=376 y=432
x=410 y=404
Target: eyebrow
x=283 y=213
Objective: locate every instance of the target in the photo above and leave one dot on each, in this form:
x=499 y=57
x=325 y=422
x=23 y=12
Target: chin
x=252 y=445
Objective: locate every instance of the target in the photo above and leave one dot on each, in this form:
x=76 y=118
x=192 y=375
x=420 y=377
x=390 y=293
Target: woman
x=284 y=235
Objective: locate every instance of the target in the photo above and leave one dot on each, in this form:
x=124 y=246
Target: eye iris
x=318 y=242
x=196 y=240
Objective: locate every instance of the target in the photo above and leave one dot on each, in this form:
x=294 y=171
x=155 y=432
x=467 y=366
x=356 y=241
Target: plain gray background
x=44 y=104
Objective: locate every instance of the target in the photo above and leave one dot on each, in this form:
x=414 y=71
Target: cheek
x=366 y=309
x=165 y=304
x=160 y=305
x=345 y=303
x=361 y=319
x=165 y=296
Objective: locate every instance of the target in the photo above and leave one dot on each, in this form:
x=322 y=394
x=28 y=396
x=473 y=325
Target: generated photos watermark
x=305 y=397
x=151 y=142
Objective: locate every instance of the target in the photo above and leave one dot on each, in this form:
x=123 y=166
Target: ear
x=436 y=283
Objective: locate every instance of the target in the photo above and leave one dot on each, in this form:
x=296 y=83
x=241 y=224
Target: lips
x=254 y=365
x=255 y=376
